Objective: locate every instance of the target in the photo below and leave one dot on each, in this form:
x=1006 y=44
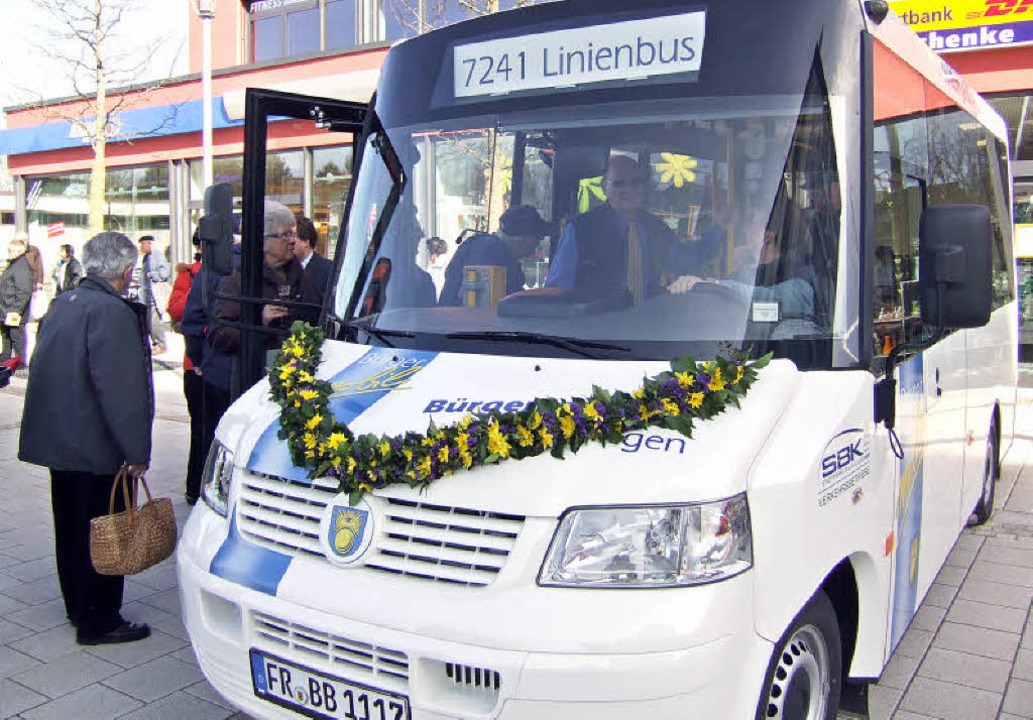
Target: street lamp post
x=206 y=9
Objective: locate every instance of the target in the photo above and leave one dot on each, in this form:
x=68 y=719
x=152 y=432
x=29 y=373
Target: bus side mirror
x=216 y=229
x=954 y=263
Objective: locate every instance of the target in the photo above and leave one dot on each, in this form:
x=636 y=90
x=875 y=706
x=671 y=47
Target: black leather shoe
x=191 y=500
x=126 y=632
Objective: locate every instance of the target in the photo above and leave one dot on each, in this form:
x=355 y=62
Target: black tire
x=991 y=474
x=805 y=674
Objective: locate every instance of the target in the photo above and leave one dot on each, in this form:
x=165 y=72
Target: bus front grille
x=419 y=540
x=339 y=655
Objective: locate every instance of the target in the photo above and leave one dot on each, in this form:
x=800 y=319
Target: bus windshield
x=470 y=230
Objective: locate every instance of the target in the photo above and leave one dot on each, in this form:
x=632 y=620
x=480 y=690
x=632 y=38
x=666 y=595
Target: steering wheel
x=719 y=292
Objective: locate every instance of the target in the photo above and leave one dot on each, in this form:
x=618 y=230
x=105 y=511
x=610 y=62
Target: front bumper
x=719 y=677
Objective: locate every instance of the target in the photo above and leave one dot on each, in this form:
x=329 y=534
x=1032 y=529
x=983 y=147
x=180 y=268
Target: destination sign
x=629 y=50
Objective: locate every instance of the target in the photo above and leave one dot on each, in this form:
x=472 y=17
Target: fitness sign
x=629 y=50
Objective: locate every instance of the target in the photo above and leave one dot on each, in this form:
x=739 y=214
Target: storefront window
x=332 y=175
x=303 y=32
x=340 y=24
x=267 y=38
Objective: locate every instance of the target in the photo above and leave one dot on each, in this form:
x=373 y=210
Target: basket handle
x=123 y=478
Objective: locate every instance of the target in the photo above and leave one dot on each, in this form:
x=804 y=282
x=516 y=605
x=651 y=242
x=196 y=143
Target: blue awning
x=157 y=121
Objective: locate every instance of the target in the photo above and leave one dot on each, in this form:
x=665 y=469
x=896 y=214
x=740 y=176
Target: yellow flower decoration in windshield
x=677 y=168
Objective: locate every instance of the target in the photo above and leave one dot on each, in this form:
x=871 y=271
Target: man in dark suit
x=316 y=267
x=617 y=247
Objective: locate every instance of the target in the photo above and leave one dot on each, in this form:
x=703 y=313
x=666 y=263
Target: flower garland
x=673 y=399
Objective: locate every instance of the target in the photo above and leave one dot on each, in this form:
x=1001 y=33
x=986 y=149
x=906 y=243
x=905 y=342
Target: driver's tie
x=636 y=281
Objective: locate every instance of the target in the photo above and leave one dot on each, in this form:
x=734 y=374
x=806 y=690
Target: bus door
x=271 y=119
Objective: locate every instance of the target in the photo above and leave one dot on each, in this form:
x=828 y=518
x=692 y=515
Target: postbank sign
x=961 y=25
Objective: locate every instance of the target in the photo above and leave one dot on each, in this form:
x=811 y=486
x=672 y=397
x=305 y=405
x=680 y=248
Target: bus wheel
x=991 y=473
x=805 y=673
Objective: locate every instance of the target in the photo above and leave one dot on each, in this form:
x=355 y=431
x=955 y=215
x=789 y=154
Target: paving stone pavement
x=967 y=655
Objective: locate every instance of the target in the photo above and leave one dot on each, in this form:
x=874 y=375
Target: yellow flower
x=525 y=438
x=334 y=440
x=336 y=462
x=313 y=422
x=670 y=407
x=696 y=399
x=592 y=413
x=684 y=379
x=546 y=437
x=443 y=453
x=286 y=371
x=309 y=439
x=408 y=454
x=645 y=413
x=297 y=351
x=351 y=465
x=427 y=442
x=497 y=442
x=716 y=383
x=677 y=168
x=307 y=395
x=535 y=421
x=567 y=426
x=639 y=394
x=304 y=376
x=423 y=466
x=365 y=487
x=738 y=373
x=385 y=448
x=465 y=422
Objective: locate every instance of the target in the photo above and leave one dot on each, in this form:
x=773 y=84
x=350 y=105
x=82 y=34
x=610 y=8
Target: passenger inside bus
x=520 y=231
x=765 y=273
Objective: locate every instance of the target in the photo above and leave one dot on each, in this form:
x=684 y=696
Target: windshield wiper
x=381 y=334
x=574 y=345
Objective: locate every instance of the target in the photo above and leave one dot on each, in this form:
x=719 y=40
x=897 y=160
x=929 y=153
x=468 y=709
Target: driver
x=617 y=246
x=766 y=274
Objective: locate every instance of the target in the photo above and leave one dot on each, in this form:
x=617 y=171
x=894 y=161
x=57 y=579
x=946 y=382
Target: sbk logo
x=841 y=459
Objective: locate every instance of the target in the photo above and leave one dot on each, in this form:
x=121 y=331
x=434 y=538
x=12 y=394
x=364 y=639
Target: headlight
x=218 y=472
x=658 y=546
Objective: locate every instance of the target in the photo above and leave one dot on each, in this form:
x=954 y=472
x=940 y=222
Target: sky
x=158 y=28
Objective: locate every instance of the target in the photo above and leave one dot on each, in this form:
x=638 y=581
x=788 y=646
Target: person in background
x=89 y=408
x=32 y=254
x=193 y=383
x=437 y=249
x=154 y=270
x=215 y=368
x=316 y=267
x=16 y=287
x=521 y=228
x=68 y=272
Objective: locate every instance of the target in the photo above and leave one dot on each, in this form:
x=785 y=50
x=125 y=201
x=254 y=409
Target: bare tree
x=83 y=41
x=420 y=16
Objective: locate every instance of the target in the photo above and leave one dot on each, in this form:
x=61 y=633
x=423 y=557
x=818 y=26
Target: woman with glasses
x=283 y=278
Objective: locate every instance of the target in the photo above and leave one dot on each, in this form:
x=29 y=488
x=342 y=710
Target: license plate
x=319 y=695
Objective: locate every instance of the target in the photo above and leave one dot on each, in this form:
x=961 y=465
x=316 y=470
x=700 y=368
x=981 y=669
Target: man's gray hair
x=277 y=215
x=108 y=254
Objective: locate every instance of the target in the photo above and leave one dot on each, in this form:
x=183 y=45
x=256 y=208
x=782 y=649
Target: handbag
x=39 y=303
x=131 y=541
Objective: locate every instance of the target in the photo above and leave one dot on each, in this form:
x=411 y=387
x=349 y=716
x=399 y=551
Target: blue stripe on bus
x=358 y=387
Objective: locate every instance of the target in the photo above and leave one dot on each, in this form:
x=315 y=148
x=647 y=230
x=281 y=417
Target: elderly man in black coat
x=16 y=286
x=89 y=406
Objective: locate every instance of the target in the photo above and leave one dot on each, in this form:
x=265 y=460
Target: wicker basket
x=129 y=542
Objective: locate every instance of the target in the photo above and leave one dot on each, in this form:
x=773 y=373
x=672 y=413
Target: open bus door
x=265 y=110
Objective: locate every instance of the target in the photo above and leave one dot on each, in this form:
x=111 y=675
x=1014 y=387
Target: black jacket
x=16 y=286
x=89 y=404
x=319 y=270
x=64 y=281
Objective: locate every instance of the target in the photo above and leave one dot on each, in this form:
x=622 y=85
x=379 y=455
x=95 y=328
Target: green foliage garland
x=674 y=399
